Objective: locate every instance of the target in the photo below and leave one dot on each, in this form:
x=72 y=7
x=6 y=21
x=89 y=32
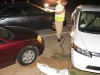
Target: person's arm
x=57 y=13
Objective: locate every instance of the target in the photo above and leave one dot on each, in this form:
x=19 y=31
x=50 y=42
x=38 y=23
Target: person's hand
x=64 y=10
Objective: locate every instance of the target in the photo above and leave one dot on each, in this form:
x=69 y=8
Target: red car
x=19 y=43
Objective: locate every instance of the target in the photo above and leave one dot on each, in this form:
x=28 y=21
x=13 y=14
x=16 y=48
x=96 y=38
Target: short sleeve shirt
x=57 y=9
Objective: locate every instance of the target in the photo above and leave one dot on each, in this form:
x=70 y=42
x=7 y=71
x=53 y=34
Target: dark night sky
x=84 y=1
x=70 y=2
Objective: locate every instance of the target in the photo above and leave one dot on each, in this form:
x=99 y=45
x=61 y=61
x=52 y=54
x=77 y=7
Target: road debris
x=51 y=71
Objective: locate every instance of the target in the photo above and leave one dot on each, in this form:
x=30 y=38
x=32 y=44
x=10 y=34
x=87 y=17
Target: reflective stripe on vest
x=61 y=16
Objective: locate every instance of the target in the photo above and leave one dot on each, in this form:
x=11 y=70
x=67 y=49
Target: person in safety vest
x=60 y=17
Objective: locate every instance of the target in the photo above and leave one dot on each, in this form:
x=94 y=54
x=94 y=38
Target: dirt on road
x=59 y=60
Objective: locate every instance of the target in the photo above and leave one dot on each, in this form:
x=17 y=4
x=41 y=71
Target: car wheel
x=52 y=26
x=26 y=56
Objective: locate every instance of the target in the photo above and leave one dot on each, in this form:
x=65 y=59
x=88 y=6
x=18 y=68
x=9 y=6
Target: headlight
x=39 y=39
x=82 y=51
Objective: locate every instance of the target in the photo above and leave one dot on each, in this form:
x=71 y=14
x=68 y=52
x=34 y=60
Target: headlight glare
x=39 y=39
x=82 y=51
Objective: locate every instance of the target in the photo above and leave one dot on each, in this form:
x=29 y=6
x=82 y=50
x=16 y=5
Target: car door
x=5 y=54
x=37 y=18
x=12 y=16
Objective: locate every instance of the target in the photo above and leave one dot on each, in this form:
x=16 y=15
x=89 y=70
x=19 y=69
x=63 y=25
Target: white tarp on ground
x=51 y=71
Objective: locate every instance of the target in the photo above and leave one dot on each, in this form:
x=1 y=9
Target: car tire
x=27 y=56
x=52 y=26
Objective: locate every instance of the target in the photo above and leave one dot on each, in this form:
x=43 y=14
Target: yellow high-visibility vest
x=60 y=17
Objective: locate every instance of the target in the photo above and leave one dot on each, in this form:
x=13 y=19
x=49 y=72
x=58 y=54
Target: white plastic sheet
x=51 y=71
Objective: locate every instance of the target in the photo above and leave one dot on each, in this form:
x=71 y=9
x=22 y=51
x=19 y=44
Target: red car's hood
x=22 y=33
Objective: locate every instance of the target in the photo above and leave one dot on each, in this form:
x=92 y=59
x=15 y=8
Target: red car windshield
x=4 y=33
